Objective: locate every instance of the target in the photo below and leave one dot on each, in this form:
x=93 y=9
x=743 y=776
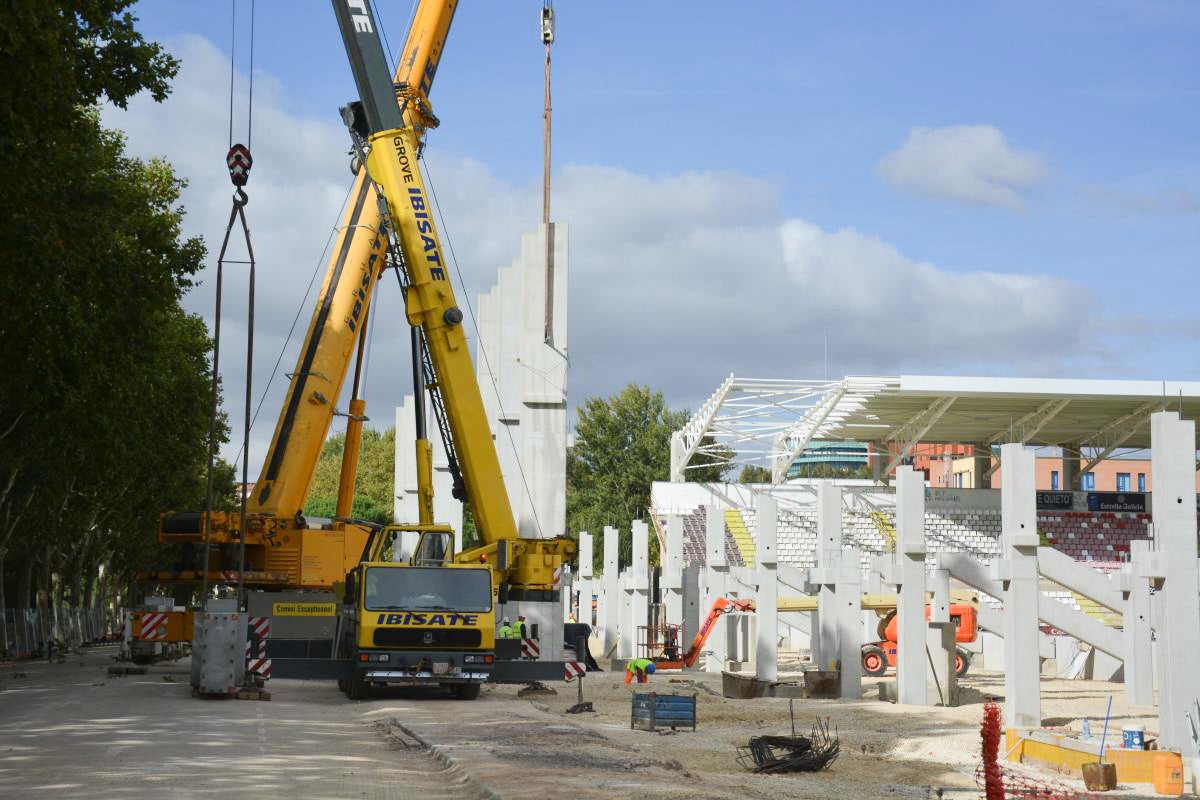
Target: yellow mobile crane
x=438 y=601
x=388 y=224
x=283 y=550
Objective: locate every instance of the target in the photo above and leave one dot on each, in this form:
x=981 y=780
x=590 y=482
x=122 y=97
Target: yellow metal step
x=1093 y=609
x=886 y=529
x=741 y=535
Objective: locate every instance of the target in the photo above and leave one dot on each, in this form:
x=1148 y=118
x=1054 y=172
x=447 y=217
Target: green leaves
x=374 y=493
x=622 y=445
x=105 y=405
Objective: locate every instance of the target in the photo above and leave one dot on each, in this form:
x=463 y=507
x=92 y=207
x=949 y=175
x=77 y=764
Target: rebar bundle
x=791 y=753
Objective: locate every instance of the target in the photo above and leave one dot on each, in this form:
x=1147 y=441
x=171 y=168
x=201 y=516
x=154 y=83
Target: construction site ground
x=70 y=730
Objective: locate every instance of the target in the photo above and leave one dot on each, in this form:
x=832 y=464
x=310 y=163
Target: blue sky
x=1053 y=144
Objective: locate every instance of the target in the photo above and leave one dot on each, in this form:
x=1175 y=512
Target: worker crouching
x=642 y=668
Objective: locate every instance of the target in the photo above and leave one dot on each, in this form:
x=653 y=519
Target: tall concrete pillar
x=1136 y=629
x=672 y=569
x=911 y=664
x=1173 y=465
x=766 y=605
x=584 y=611
x=1018 y=572
x=942 y=686
x=641 y=582
x=716 y=578
x=849 y=619
x=612 y=592
x=626 y=631
x=824 y=642
x=693 y=600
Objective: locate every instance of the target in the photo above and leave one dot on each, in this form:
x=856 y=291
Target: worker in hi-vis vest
x=519 y=631
x=642 y=668
x=505 y=631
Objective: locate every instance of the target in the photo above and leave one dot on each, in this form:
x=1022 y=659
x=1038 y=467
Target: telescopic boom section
x=429 y=302
x=337 y=321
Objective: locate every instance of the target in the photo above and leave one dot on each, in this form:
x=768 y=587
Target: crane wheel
x=874 y=661
x=466 y=691
x=962 y=661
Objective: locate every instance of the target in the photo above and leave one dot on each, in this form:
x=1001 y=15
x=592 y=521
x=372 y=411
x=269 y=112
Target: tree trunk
x=25 y=590
x=3 y=600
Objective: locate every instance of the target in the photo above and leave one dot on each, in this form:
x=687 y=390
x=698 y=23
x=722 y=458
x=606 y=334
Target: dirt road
x=68 y=730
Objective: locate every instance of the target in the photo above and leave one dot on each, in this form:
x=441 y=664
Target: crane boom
x=392 y=158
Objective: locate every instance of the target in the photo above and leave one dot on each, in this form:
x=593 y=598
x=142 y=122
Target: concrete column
x=829 y=553
x=849 y=619
x=626 y=633
x=942 y=686
x=879 y=459
x=612 y=594
x=1018 y=572
x=717 y=575
x=584 y=611
x=693 y=599
x=982 y=463
x=640 y=570
x=1173 y=462
x=766 y=650
x=911 y=664
x=1137 y=644
x=672 y=569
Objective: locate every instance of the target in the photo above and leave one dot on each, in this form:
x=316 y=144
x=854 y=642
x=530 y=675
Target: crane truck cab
x=422 y=620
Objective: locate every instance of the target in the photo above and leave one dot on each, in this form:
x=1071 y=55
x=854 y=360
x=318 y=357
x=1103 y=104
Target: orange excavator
x=669 y=659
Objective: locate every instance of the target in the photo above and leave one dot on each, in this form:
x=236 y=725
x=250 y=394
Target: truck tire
x=874 y=661
x=962 y=661
x=466 y=691
x=357 y=688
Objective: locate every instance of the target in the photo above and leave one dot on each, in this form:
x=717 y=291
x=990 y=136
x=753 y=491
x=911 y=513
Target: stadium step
x=741 y=535
x=886 y=529
x=1093 y=609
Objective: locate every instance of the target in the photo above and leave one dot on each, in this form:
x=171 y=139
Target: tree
x=375 y=487
x=752 y=473
x=622 y=445
x=104 y=407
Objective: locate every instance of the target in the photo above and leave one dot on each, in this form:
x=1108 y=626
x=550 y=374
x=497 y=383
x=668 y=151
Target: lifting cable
x=238 y=161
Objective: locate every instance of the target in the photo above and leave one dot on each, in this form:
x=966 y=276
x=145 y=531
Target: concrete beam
x=1070 y=574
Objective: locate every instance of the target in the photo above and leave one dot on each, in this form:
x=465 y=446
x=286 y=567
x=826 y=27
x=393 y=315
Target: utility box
x=218 y=653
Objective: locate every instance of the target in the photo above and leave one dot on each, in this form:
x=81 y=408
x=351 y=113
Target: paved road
x=68 y=730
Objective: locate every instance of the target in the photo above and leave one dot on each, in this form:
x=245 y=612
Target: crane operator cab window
x=428 y=589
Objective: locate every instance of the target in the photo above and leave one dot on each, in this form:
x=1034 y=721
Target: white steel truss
x=766 y=423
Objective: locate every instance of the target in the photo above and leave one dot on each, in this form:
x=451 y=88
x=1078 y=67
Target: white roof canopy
x=771 y=423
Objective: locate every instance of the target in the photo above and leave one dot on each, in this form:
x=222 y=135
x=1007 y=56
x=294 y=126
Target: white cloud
x=967 y=163
x=676 y=281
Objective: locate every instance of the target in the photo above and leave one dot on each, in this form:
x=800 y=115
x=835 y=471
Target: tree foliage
x=375 y=488
x=752 y=473
x=622 y=445
x=105 y=404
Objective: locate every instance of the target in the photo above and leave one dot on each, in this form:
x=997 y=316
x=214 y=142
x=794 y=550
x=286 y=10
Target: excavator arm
x=721 y=606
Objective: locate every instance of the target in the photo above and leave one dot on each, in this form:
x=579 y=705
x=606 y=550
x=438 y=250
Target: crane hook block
x=239 y=163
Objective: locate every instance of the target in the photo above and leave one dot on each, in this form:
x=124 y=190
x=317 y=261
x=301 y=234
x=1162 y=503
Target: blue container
x=1133 y=737
x=651 y=711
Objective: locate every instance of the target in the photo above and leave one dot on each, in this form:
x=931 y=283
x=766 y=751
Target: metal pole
x=246 y=427
x=548 y=39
